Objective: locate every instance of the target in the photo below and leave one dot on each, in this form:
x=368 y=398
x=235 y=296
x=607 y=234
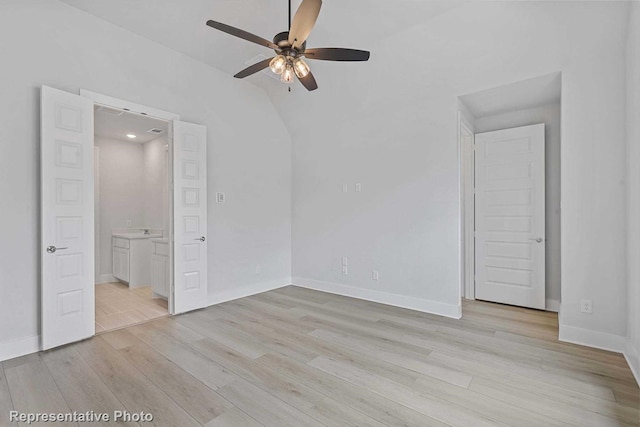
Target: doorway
x=504 y=245
x=132 y=217
x=68 y=214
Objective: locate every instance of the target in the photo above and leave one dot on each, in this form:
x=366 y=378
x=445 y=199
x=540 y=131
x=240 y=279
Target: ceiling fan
x=290 y=47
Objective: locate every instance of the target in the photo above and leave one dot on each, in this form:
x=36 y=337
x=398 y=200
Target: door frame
x=467 y=210
x=131 y=107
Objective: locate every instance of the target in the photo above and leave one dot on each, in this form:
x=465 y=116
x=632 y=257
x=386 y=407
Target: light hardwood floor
x=118 y=306
x=296 y=357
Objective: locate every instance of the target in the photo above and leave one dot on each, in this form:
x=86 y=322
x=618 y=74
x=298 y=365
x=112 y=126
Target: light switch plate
x=220 y=198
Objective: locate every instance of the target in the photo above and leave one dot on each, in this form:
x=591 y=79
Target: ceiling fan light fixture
x=287 y=74
x=278 y=64
x=301 y=68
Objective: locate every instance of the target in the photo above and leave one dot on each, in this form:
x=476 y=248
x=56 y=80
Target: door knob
x=53 y=249
x=539 y=239
x=202 y=239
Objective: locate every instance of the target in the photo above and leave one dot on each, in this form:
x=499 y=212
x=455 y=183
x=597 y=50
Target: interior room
x=132 y=213
x=296 y=212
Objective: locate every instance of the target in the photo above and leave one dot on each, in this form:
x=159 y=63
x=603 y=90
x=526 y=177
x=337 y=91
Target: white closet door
x=68 y=311
x=509 y=217
x=190 y=216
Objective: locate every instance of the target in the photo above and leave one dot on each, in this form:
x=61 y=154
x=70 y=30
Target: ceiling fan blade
x=259 y=66
x=303 y=21
x=309 y=82
x=337 y=54
x=242 y=34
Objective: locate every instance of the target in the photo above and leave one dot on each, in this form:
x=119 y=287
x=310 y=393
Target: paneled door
x=510 y=216
x=67 y=251
x=189 y=216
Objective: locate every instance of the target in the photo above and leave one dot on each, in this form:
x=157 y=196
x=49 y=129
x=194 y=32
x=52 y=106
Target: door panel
x=68 y=310
x=190 y=216
x=510 y=216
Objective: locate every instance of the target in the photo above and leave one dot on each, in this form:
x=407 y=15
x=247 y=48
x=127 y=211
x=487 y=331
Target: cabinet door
x=159 y=267
x=121 y=264
x=124 y=264
x=116 y=264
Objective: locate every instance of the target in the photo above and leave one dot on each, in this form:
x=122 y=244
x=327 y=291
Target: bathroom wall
x=155 y=194
x=131 y=192
x=120 y=197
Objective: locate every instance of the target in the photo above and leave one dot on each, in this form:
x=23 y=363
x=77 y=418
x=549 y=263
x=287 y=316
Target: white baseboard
x=20 y=347
x=418 y=304
x=552 y=305
x=589 y=338
x=246 y=291
x=633 y=359
x=106 y=278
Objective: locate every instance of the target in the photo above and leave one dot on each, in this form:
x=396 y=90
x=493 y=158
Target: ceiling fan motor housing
x=282 y=40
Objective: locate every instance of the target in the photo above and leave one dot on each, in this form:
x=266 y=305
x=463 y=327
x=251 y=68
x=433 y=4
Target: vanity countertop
x=132 y=236
x=160 y=240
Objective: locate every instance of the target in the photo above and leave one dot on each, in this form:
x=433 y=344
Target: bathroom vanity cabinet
x=131 y=260
x=160 y=267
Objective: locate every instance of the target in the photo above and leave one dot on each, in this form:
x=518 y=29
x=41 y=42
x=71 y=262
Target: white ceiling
x=520 y=95
x=109 y=125
x=180 y=25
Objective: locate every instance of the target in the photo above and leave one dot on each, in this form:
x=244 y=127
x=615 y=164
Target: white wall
x=48 y=42
x=392 y=127
x=121 y=195
x=155 y=197
x=633 y=189
x=550 y=116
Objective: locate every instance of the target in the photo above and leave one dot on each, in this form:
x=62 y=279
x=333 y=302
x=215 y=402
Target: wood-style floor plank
x=6 y=405
x=271 y=411
x=193 y=396
x=82 y=388
x=179 y=352
x=133 y=389
x=33 y=389
x=360 y=398
x=298 y=357
x=234 y=417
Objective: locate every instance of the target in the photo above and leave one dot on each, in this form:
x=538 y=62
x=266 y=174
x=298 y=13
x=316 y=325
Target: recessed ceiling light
x=130 y=135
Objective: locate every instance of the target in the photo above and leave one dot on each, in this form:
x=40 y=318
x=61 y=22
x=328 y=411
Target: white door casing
x=189 y=216
x=67 y=246
x=467 y=219
x=510 y=216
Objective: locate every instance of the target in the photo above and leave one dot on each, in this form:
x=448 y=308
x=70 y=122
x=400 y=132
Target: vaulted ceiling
x=180 y=25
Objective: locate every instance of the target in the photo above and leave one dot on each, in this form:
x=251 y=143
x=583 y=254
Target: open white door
x=68 y=311
x=510 y=216
x=189 y=216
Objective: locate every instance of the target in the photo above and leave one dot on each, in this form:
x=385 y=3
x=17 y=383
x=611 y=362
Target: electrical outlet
x=586 y=306
x=345 y=260
x=374 y=275
x=345 y=270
